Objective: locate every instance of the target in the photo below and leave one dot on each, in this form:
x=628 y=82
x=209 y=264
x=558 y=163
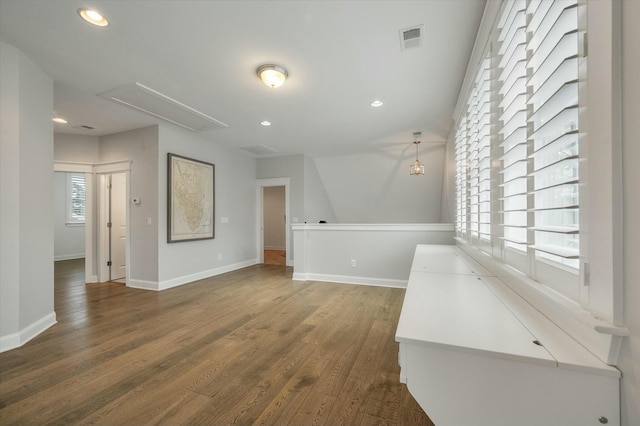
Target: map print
x=191 y=199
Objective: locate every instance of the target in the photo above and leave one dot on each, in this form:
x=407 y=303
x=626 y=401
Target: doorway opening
x=69 y=218
x=273 y=236
x=275 y=221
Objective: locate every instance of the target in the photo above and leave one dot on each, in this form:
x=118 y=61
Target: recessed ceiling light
x=93 y=17
x=60 y=120
x=265 y=123
x=377 y=103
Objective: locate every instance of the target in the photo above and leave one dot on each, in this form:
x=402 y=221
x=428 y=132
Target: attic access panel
x=152 y=102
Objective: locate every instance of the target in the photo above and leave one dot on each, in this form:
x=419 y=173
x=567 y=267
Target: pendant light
x=416 y=168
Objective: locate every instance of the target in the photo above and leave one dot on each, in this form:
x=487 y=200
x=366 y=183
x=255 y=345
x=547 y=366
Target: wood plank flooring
x=275 y=257
x=247 y=347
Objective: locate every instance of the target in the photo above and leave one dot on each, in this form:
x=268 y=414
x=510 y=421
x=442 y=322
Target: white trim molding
x=349 y=279
x=188 y=279
x=15 y=340
x=68 y=257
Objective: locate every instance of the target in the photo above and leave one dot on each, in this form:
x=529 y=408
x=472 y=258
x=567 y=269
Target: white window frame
x=596 y=319
x=71 y=220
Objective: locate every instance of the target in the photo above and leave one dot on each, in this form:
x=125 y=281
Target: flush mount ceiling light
x=57 y=119
x=272 y=75
x=265 y=123
x=416 y=168
x=377 y=103
x=93 y=17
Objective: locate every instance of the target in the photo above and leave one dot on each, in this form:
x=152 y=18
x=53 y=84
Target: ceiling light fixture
x=265 y=123
x=57 y=119
x=416 y=168
x=272 y=75
x=93 y=17
x=377 y=103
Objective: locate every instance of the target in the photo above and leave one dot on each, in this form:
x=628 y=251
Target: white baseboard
x=274 y=248
x=348 y=279
x=142 y=284
x=186 y=279
x=68 y=257
x=15 y=340
x=91 y=279
x=297 y=276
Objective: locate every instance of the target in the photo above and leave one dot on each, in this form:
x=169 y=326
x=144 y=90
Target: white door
x=118 y=213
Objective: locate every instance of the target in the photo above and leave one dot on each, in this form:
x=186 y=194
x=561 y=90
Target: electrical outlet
x=353 y=263
x=219 y=256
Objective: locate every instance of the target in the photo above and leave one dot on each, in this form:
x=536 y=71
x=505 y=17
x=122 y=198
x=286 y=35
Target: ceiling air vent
x=411 y=37
x=259 y=149
x=84 y=127
x=149 y=101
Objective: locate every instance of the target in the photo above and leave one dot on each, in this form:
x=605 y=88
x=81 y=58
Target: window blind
x=77 y=198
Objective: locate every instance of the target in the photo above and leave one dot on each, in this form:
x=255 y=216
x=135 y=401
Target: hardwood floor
x=247 y=347
x=275 y=257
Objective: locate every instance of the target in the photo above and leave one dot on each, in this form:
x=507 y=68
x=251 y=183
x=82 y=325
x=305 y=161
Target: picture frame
x=190 y=199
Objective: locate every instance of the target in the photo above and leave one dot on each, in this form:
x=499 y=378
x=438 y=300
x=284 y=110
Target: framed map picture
x=191 y=199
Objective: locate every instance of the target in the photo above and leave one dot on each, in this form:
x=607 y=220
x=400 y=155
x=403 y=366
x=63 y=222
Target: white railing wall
x=368 y=254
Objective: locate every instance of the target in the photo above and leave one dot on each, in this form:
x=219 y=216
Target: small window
x=76 y=198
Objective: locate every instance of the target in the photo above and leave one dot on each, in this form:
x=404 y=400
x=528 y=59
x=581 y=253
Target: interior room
x=327 y=212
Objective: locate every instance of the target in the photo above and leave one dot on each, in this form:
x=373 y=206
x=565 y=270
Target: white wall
x=75 y=148
x=235 y=199
x=377 y=188
x=141 y=147
x=68 y=239
x=274 y=218
x=317 y=205
x=26 y=212
x=630 y=356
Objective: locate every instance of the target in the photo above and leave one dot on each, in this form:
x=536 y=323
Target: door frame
x=92 y=248
x=260 y=185
x=89 y=219
x=102 y=170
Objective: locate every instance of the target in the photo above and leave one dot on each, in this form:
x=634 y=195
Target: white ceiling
x=340 y=55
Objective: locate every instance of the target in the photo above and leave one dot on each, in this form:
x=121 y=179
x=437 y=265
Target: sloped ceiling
x=340 y=55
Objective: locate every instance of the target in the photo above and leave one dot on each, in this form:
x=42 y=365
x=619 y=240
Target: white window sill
x=74 y=224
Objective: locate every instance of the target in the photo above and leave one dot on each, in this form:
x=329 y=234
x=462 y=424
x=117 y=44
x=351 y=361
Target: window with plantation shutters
x=76 y=198
x=535 y=128
x=554 y=130
x=473 y=161
x=513 y=128
x=461 y=178
x=482 y=168
x=555 y=234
